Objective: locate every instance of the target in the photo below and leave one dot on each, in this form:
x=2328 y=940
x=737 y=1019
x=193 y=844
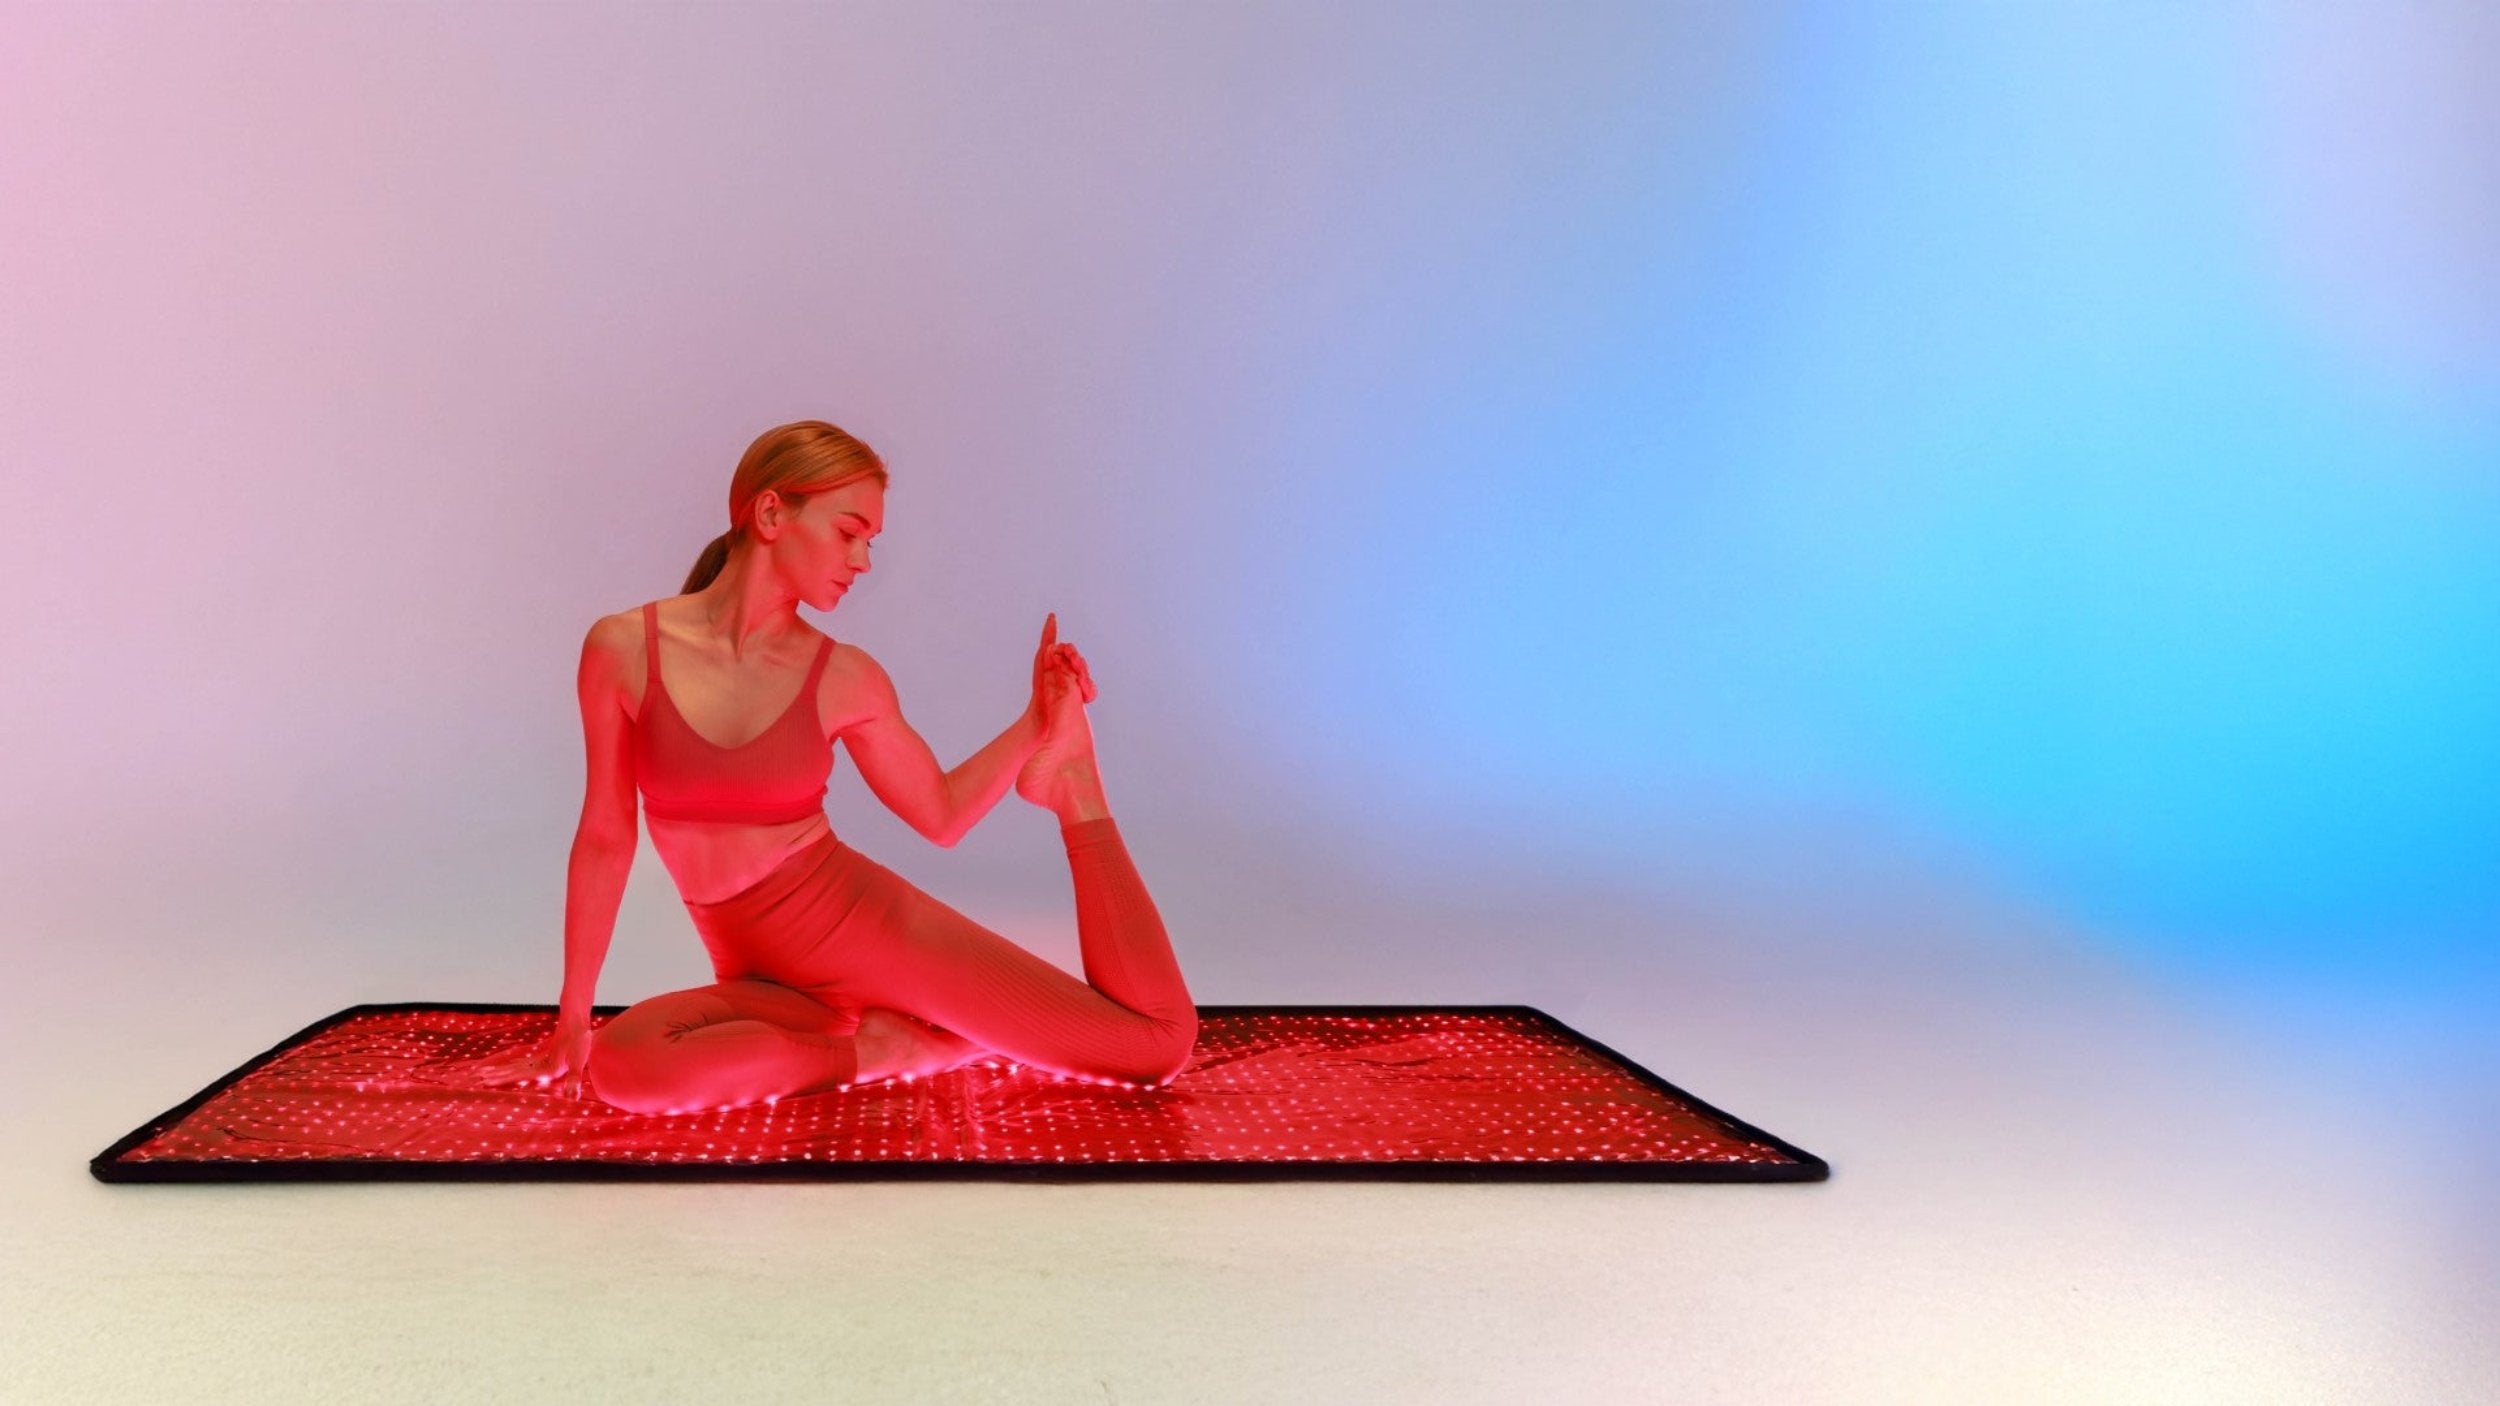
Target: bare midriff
x=711 y=860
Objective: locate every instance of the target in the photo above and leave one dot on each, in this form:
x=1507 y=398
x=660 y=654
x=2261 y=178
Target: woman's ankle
x=1081 y=797
x=877 y=1050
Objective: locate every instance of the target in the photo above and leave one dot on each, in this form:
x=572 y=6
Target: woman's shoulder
x=619 y=633
x=856 y=685
x=849 y=660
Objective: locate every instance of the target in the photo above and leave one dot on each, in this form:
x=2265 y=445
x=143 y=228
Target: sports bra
x=778 y=776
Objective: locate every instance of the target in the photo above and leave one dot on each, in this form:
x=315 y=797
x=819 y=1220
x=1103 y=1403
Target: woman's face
x=827 y=543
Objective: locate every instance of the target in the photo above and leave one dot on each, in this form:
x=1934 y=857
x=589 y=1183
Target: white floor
x=2049 y=1185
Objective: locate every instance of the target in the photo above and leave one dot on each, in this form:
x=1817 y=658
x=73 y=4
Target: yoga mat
x=1426 y=1093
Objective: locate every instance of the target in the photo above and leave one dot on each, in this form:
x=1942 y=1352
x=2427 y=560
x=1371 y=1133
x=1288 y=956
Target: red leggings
x=804 y=951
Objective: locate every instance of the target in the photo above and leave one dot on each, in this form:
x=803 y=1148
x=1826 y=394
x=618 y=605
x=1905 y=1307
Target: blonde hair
x=794 y=460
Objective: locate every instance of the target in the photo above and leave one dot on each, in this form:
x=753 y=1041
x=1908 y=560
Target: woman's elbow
x=606 y=835
x=942 y=832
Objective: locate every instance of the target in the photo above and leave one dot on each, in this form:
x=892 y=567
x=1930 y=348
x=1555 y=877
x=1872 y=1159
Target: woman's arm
x=903 y=773
x=603 y=842
x=603 y=852
x=594 y=887
x=986 y=774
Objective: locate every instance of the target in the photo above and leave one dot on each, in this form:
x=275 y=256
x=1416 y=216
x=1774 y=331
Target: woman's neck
x=745 y=610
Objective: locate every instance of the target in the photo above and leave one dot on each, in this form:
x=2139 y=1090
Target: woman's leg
x=722 y=1045
x=742 y=1040
x=1131 y=1018
x=1127 y=954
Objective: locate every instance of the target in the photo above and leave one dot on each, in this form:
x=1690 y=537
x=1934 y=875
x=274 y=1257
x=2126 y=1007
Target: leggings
x=799 y=955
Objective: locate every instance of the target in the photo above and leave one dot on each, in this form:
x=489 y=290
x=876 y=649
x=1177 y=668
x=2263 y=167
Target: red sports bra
x=778 y=776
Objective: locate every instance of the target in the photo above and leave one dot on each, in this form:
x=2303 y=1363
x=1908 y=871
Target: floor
x=2050 y=1183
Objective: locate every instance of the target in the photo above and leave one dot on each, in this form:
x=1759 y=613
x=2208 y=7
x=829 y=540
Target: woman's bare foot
x=891 y=1044
x=1061 y=777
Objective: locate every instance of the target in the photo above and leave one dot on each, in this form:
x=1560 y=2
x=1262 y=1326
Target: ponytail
x=715 y=556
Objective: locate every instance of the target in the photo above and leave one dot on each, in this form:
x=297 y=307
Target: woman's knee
x=1163 y=1058
x=628 y=1071
x=1182 y=1048
x=637 y=1064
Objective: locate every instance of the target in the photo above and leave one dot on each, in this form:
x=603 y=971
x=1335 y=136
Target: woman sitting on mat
x=831 y=969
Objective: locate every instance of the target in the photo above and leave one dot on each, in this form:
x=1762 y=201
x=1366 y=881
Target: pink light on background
x=358 y=357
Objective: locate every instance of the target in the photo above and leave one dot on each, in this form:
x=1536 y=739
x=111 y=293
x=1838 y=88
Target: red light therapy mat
x=1437 y=1093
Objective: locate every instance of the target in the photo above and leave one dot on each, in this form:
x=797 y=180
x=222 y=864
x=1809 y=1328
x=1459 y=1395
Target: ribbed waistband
x=801 y=900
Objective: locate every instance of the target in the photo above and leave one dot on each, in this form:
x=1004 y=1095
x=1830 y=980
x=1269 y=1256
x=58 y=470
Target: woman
x=720 y=706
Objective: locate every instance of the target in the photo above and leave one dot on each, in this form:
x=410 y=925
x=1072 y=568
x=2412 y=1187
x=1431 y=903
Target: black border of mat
x=106 y=1166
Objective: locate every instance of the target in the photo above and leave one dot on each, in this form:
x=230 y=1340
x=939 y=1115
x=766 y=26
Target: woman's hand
x=1055 y=666
x=560 y=1060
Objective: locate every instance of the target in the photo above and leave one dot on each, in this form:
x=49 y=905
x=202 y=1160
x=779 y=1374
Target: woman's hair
x=794 y=460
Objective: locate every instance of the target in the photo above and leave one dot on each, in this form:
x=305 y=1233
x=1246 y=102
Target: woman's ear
x=772 y=513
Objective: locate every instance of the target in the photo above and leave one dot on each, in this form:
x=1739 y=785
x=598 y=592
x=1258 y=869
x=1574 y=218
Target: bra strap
x=816 y=670
x=650 y=646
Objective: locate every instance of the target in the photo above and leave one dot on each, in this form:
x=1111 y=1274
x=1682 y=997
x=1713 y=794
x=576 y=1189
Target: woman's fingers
x=1060 y=661
x=508 y=1072
x=549 y=1064
x=1066 y=658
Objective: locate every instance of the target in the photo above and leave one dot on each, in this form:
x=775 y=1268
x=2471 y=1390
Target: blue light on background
x=1986 y=467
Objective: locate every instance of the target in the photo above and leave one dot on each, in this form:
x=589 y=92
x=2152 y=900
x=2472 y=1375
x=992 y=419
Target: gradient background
x=1931 y=572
